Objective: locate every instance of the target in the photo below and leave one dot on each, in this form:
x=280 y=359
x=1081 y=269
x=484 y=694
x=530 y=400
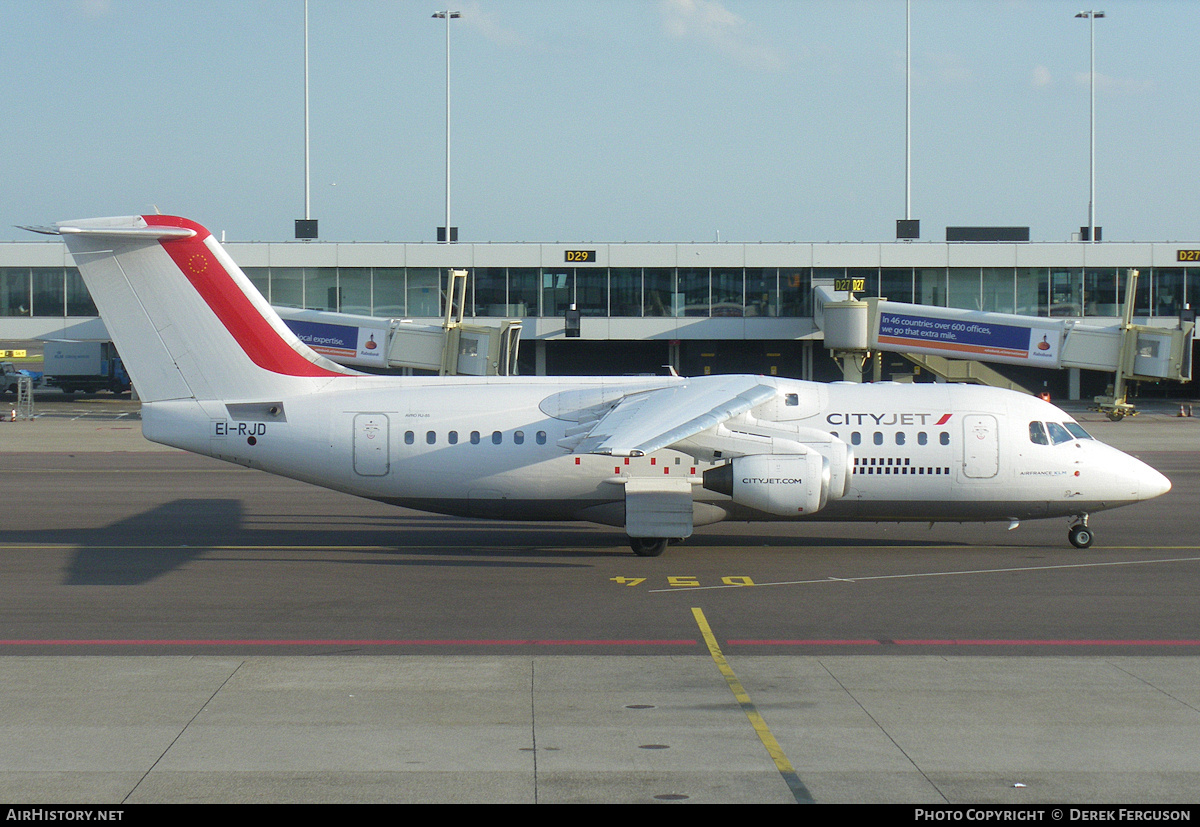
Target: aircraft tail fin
x=186 y=320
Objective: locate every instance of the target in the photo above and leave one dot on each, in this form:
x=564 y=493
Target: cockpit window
x=1076 y=430
x=1058 y=434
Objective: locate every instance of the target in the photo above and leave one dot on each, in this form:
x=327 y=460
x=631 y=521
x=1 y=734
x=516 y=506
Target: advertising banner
x=968 y=334
x=344 y=344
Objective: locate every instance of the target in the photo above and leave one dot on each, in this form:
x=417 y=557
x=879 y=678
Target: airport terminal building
x=699 y=307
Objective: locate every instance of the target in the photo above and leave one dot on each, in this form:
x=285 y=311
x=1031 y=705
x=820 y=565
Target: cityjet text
x=885 y=419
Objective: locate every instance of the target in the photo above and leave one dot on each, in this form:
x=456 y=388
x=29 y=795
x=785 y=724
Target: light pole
x=447 y=16
x=306 y=227
x=908 y=110
x=307 y=180
x=908 y=228
x=1091 y=18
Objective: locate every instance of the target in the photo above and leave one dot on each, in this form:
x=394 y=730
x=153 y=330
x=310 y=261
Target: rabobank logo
x=1043 y=344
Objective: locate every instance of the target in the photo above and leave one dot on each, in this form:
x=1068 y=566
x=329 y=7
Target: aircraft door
x=981 y=446
x=371 y=445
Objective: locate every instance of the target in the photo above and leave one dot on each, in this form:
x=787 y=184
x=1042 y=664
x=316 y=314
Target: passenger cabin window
x=899 y=437
x=944 y=437
x=497 y=437
x=519 y=437
x=452 y=437
x=409 y=437
x=431 y=437
x=541 y=437
x=791 y=400
x=474 y=437
x=922 y=438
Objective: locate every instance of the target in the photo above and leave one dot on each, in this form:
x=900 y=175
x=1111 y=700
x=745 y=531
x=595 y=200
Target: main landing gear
x=648 y=546
x=1079 y=534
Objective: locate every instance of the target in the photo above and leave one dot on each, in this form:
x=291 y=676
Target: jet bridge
x=453 y=348
x=855 y=328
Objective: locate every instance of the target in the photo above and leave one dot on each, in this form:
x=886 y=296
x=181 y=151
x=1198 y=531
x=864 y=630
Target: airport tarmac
x=181 y=630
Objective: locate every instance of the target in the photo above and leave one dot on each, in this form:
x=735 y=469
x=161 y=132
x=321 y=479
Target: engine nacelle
x=787 y=485
x=839 y=454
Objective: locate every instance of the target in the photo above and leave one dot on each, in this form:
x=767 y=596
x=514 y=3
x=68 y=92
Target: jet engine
x=839 y=454
x=787 y=485
x=748 y=437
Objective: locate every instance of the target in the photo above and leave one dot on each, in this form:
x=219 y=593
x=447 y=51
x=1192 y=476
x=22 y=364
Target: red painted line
x=804 y=643
x=952 y=642
x=419 y=642
x=586 y=642
x=1019 y=642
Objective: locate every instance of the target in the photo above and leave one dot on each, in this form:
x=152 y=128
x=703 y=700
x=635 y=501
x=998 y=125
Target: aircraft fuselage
x=944 y=453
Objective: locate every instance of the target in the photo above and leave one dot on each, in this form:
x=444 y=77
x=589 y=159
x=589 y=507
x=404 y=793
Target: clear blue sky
x=603 y=120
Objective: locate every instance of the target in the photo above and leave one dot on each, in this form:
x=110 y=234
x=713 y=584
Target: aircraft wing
x=647 y=421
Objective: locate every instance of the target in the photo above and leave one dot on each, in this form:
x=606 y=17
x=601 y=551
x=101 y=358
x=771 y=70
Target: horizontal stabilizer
x=38 y=228
x=76 y=228
x=128 y=232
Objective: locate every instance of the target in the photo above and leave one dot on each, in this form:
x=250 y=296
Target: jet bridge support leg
x=853 y=364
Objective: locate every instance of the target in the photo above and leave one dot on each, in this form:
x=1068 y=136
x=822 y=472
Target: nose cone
x=1122 y=478
x=1151 y=483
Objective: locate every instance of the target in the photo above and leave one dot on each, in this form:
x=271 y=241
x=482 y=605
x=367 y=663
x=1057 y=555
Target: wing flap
x=645 y=422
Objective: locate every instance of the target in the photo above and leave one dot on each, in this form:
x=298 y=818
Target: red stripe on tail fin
x=256 y=336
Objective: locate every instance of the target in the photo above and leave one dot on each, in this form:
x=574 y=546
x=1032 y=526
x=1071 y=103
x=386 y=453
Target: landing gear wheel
x=648 y=546
x=1080 y=536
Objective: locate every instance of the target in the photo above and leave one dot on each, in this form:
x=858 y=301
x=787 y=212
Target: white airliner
x=220 y=374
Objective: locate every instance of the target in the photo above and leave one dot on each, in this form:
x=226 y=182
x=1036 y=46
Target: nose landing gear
x=1079 y=534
